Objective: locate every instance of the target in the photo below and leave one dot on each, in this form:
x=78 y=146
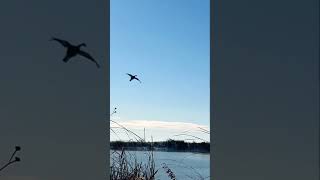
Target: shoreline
x=155 y=150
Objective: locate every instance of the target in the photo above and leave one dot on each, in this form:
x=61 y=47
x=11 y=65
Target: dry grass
x=169 y=172
x=126 y=167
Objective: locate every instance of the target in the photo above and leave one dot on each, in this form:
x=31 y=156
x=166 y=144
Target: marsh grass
x=125 y=166
x=169 y=172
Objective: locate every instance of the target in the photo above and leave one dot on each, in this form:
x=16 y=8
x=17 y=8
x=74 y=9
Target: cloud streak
x=161 y=130
x=138 y=124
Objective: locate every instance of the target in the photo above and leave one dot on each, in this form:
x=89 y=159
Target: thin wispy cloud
x=161 y=130
x=138 y=124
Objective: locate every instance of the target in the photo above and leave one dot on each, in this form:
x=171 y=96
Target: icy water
x=184 y=165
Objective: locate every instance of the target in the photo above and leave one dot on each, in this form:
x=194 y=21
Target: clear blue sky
x=166 y=43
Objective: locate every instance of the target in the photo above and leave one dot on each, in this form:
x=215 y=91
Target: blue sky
x=166 y=43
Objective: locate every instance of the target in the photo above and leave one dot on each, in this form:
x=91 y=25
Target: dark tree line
x=169 y=145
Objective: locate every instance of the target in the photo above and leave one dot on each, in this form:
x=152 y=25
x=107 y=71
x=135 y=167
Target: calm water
x=185 y=165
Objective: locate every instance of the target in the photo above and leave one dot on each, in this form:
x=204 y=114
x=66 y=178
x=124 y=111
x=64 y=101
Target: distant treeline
x=169 y=145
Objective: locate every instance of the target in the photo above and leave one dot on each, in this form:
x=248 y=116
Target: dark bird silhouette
x=73 y=50
x=132 y=77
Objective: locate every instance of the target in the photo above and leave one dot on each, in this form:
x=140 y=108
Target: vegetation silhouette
x=16 y=159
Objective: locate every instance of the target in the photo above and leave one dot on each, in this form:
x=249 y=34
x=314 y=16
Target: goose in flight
x=132 y=77
x=73 y=50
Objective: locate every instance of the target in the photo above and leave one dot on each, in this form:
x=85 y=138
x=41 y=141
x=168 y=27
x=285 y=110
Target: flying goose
x=73 y=50
x=132 y=77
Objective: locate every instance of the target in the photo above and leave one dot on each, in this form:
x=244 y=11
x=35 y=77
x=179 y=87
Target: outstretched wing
x=62 y=42
x=87 y=55
x=130 y=74
x=138 y=79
